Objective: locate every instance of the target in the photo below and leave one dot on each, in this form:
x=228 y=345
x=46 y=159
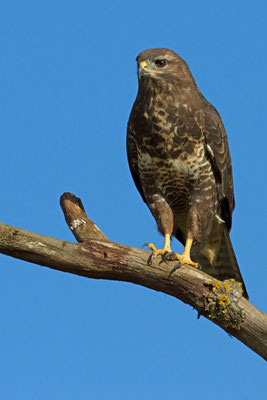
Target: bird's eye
x=160 y=63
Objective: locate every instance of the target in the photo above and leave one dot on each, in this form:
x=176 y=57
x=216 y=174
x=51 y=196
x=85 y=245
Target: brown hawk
x=180 y=161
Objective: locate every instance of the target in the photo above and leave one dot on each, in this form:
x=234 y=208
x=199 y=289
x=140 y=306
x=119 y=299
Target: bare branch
x=82 y=227
x=97 y=257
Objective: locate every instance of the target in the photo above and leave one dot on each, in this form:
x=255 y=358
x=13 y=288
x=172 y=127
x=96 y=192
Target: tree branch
x=95 y=256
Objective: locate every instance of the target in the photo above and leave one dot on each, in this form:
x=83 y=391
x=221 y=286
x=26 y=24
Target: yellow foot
x=155 y=251
x=185 y=259
x=168 y=255
x=158 y=252
x=182 y=259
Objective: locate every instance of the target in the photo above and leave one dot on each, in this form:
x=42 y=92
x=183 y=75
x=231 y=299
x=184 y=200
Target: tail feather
x=224 y=265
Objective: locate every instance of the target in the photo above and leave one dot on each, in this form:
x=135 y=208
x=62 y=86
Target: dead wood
x=95 y=256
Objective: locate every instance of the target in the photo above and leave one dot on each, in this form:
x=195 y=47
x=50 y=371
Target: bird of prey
x=180 y=162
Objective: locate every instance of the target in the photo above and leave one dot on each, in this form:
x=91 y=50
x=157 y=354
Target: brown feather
x=180 y=161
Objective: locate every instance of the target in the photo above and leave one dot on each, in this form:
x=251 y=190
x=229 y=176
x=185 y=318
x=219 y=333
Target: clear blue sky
x=68 y=81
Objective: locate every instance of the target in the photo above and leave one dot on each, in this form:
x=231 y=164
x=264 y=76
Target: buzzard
x=180 y=162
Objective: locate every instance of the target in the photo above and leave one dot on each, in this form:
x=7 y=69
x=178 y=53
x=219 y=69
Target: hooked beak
x=143 y=68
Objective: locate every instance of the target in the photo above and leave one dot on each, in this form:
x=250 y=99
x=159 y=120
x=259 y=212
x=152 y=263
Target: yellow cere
x=143 y=64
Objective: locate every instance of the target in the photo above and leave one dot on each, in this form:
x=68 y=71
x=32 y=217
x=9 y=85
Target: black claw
x=150 y=259
x=165 y=257
x=172 y=257
x=177 y=266
x=145 y=244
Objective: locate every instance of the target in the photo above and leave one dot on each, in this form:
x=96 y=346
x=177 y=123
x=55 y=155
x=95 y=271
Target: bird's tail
x=223 y=265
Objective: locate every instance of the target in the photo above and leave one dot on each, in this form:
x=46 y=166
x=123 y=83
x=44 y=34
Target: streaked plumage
x=180 y=161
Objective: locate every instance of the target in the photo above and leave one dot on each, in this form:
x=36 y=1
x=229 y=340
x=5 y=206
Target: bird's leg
x=166 y=247
x=165 y=252
x=185 y=258
x=164 y=216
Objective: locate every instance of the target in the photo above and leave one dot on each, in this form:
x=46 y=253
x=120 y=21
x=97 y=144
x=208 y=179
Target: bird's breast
x=171 y=152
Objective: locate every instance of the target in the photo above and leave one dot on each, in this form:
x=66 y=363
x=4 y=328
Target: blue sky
x=68 y=81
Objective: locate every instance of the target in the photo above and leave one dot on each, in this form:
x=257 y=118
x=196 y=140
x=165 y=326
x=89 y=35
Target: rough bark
x=95 y=256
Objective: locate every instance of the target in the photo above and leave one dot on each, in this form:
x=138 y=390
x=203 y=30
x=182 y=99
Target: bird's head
x=164 y=65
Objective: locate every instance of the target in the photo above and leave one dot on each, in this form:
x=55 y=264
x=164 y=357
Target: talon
x=172 y=256
x=165 y=257
x=150 y=259
x=152 y=247
x=184 y=259
x=177 y=266
x=145 y=245
x=165 y=252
